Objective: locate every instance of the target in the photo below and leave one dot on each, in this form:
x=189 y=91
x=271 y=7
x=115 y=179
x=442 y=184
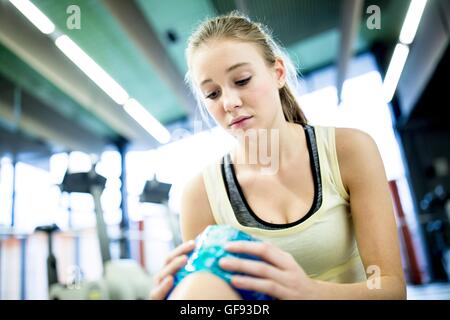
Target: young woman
x=323 y=210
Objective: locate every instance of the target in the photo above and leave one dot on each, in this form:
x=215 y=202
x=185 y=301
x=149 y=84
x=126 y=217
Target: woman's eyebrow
x=237 y=65
x=234 y=66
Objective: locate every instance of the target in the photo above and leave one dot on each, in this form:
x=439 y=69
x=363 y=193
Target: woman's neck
x=270 y=150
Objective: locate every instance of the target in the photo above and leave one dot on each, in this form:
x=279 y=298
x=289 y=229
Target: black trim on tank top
x=315 y=166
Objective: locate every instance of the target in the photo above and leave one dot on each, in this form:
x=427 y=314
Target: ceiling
x=140 y=43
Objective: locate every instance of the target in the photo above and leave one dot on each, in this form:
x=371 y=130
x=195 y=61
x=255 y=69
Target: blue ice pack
x=209 y=249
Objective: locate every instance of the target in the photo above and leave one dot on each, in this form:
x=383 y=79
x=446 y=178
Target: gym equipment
x=413 y=271
x=158 y=192
x=435 y=204
x=7 y=233
x=209 y=249
x=122 y=278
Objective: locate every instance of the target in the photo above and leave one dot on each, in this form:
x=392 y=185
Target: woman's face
x=235 y=83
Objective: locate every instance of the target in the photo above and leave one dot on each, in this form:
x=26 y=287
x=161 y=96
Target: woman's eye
x=212 y=95
x=243 y=82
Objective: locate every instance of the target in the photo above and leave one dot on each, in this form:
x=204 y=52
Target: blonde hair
x=237 y=26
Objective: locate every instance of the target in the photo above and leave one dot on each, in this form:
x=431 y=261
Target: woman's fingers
x=164 y=279
x=169 y=269
x=266 y=286
x=176 y=259
x=159 y=292
x=265 y=250
x=182 y=249
x=254 y=268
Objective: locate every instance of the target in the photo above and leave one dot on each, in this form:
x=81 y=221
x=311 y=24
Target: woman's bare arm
x=196 y=212
x=364 y=177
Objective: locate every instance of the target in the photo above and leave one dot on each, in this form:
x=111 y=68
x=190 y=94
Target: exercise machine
x=436 y=217
x=158 y=192
x=122 y=278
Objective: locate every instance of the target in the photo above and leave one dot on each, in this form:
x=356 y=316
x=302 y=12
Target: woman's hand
x=278 y=275
x=163 y=280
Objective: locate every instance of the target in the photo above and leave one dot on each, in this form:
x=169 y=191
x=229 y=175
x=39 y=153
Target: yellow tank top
x=324 y=245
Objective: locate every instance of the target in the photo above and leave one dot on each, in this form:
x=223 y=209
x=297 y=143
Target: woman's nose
x=231 y=100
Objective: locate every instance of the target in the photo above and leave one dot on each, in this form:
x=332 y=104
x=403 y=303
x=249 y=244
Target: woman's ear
x=280 y=72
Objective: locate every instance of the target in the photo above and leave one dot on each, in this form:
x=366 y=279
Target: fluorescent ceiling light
x=32 y=13
x=395 y=70
x=412 y=21
x=147 y=121
x=92 y=69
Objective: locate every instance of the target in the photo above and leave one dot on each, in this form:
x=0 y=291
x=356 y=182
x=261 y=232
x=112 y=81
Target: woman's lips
x=240 y=123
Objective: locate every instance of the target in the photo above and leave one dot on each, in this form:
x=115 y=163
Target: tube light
x=34 y=15
x=412 y=21
x=91 y=69
x=395 y=70
x=147 y=121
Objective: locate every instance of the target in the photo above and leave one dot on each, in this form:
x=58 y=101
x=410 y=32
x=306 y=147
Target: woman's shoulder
x=355 y=148
x=350 y=141
x=195 y=213
x=195 y=188
x=343 y=132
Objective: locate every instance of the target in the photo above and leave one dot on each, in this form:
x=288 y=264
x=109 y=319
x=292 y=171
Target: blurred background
x=99 y=133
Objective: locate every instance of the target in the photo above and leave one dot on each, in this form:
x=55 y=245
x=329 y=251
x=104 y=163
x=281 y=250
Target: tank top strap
x=326 y=144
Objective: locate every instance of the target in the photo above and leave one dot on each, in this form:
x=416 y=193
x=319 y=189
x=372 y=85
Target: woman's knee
x=203 y=286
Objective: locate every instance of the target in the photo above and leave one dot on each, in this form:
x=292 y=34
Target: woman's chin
x=239 y=132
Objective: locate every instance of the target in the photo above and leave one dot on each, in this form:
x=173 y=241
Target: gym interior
x=99 y=132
